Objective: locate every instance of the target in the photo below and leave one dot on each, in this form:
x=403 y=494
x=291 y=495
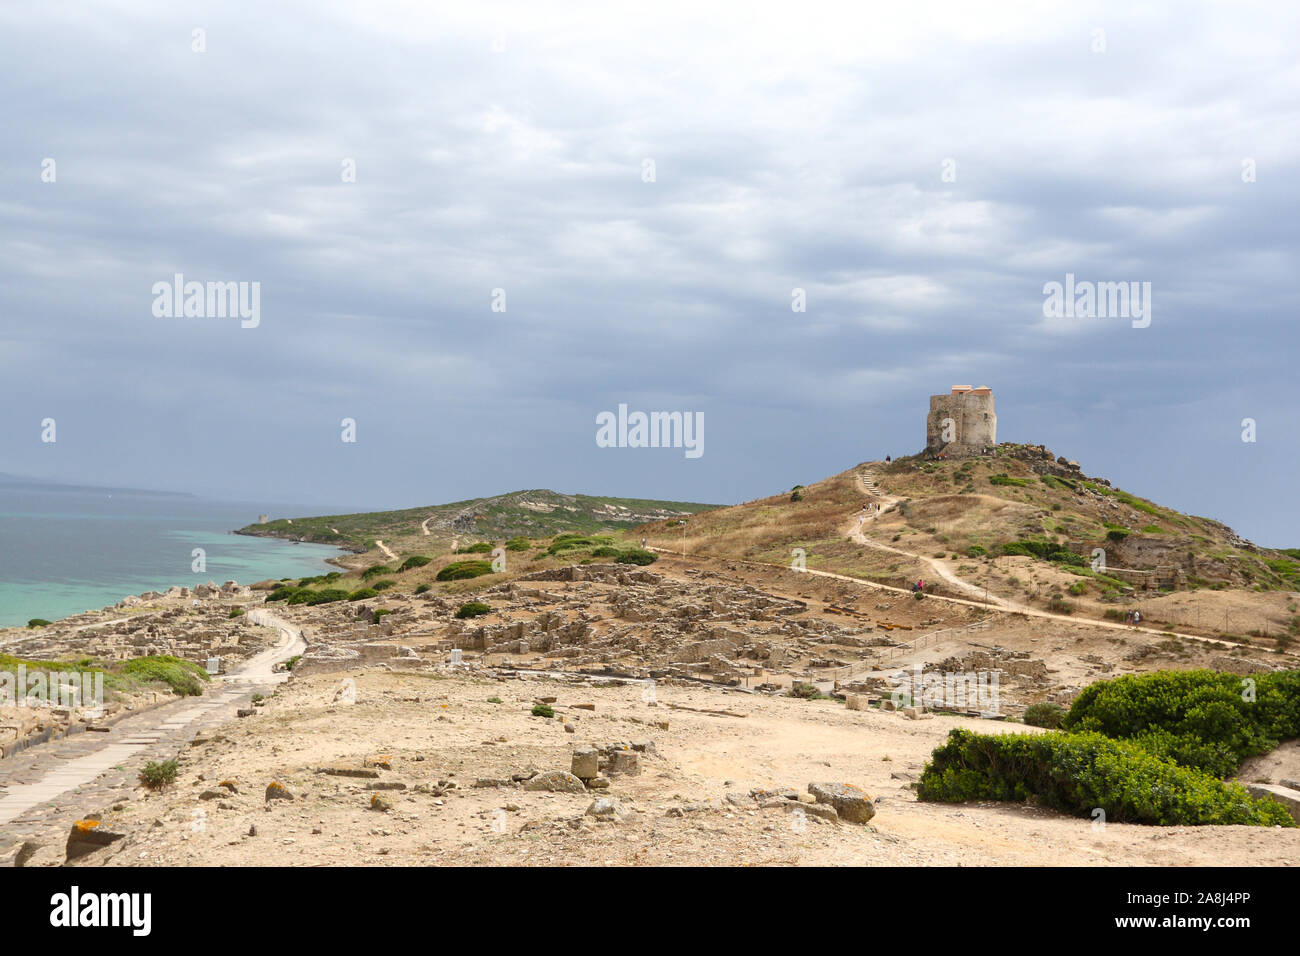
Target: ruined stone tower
x=962 y=423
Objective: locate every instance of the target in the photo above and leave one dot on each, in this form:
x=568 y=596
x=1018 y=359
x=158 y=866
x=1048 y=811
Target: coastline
x=273 y=567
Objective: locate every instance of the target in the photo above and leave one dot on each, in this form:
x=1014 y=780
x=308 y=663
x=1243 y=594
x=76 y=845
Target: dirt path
x=940 y=568
x=384 y=548
x=43 y=775
x=993 y=603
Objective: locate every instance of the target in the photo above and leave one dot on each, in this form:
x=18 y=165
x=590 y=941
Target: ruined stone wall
x=974 y=424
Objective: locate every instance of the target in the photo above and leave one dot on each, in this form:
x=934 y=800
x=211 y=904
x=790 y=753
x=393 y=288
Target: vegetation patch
x=1200 y=719
x=460 y=570
x=158 y=775
x=1077 y=773
x=637 y=556
x=1147 y=748
x=1044 y=714
x=473 y=609
x=184 y=677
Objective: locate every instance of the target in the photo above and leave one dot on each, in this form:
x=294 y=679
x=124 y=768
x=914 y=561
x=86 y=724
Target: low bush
x=379 y=614
x=460 y=570
x=543 y=710
x=637 y=556
x=1044 y=714
x=421 y=589
x=1201 y=719
x=323 y=596
x=473 y=609
x=1078 y=773
x=38 y=622
x=519 y=543
x=414 y=561
x=184 y=677
x=158 y=775
x=360 y=594
x=383 y=585
x=375 y=570
x=479 y=547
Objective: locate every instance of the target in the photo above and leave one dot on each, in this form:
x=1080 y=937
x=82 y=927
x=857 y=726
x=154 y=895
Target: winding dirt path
x=69 y=763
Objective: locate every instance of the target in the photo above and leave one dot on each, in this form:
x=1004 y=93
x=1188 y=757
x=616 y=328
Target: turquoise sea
x=67 y=551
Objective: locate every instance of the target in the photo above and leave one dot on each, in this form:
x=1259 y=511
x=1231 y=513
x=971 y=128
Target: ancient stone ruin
x=961 y=424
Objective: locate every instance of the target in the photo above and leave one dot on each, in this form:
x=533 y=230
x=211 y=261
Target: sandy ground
x=430 y=729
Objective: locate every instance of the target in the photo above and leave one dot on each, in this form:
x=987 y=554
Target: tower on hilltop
x=962 y=423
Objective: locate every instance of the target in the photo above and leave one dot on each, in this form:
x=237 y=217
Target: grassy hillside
x=531 y=514
x=1021 y=494
x=1020 y=525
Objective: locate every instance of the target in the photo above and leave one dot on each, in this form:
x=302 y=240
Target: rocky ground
x=431 y=768
x=410 y=738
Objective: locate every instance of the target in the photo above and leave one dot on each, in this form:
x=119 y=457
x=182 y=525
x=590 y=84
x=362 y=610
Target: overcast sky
x=920 y=170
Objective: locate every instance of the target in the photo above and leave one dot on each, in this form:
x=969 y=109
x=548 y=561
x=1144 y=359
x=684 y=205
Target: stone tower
x=962 y=423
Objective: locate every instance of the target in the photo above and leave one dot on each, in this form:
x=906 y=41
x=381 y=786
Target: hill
x=1019 y=527
x=537 y=513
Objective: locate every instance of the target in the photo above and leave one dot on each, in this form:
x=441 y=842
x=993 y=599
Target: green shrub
x=480 y=547
x=1116 y=534
x=519 y=543
x=1077 y=773
x=473 y=609
x=375 y=570
x=637 y=556
x=605 y=551
x=1001 y=479
x=1079 y=587
x=159 y=775
x=383 y=585
x=291 y=662
x=976 y=551
x=1044 y=714
x=543 y=710
x=184 y=677
x=1043 y=549
x=323 y=596
x=421 y=589
x=494 y=700
x=1196 y=718
x=379 y=613
x=805 y=691
x=460 y=570
x=360 y=594
x=414 y=561
x=1059 y=605
x=235 y=612
x=38 y=622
